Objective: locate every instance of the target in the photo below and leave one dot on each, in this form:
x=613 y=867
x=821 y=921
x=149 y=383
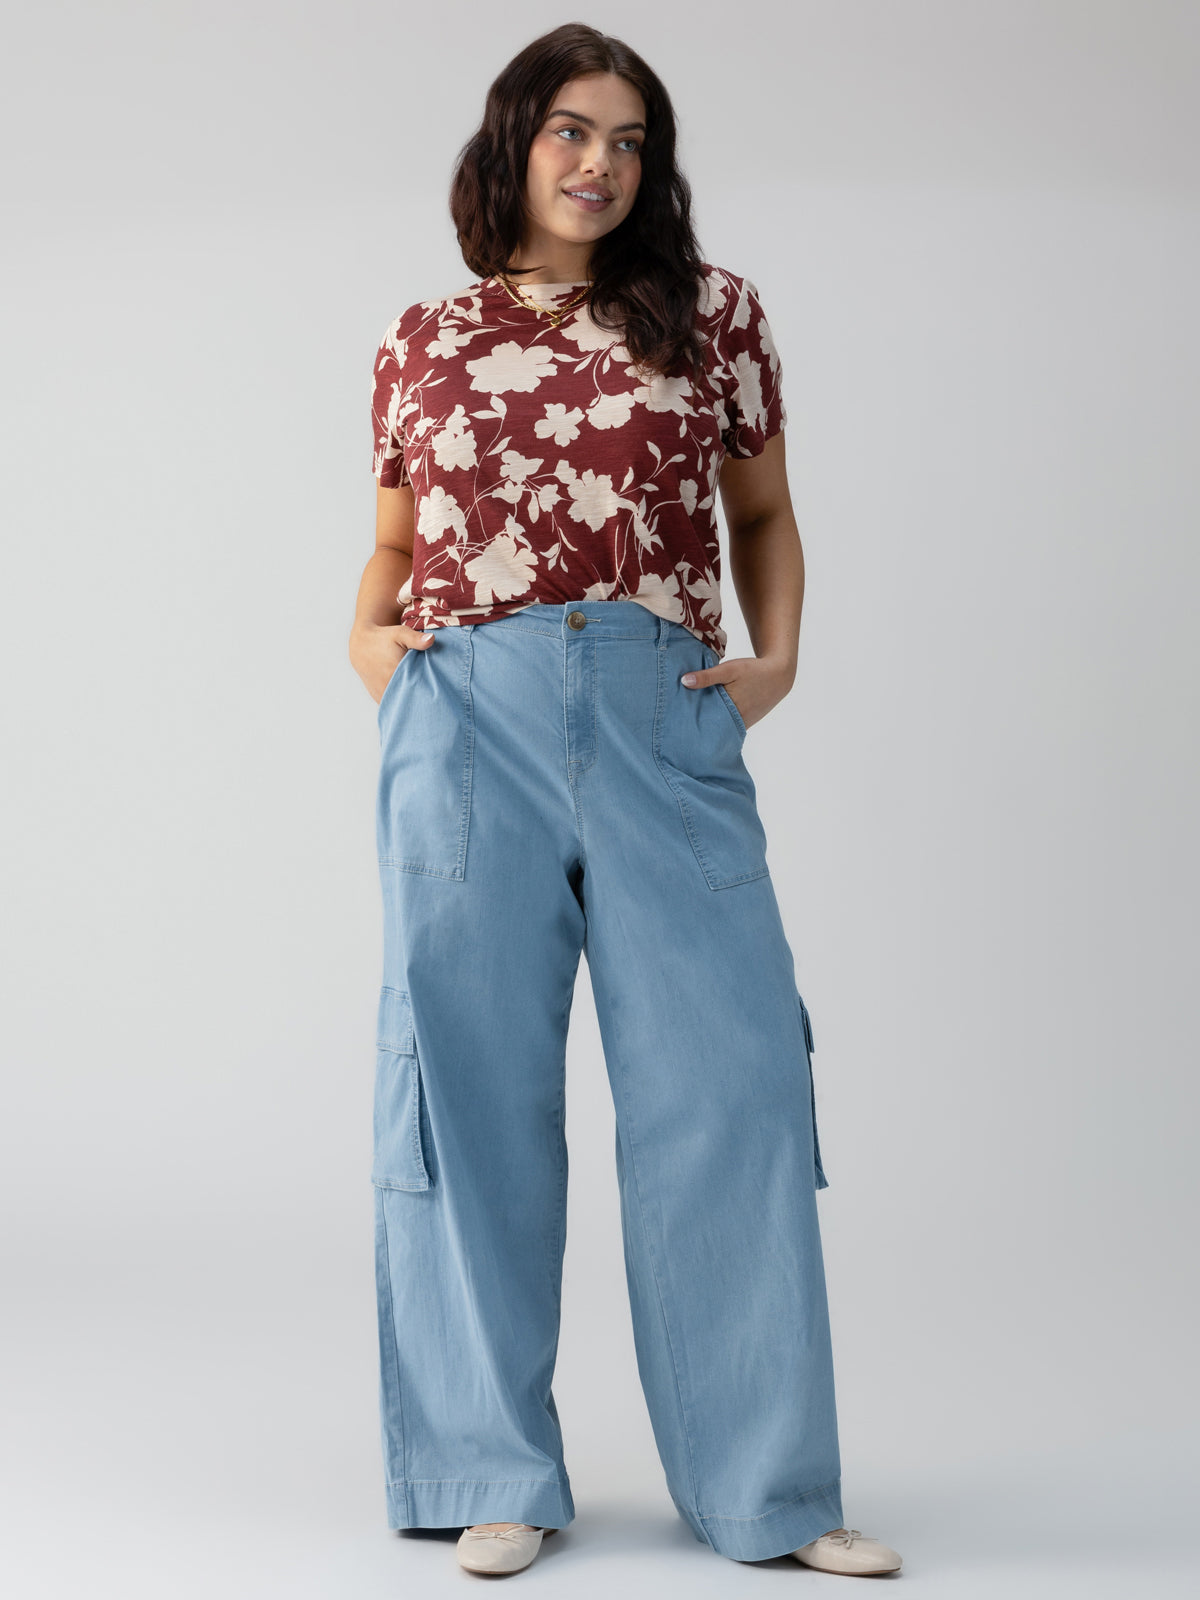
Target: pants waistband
x=602 y=619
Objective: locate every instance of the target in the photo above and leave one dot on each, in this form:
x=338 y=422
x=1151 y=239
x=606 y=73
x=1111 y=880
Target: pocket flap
x=400 y=1114
x=808 y=1033
x=822 y=1182
x=395 y=1030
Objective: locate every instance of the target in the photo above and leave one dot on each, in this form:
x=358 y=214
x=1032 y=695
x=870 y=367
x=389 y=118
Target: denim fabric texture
x=548 y=788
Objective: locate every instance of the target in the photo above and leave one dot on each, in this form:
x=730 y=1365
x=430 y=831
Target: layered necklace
x=555 y=313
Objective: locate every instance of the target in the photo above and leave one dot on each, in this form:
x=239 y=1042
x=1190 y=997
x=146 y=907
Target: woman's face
x=591 y=144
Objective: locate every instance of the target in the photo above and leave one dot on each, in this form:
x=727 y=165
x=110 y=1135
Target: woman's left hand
x=755 y=684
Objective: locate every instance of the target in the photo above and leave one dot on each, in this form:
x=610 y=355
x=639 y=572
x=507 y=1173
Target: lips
x=589 y=204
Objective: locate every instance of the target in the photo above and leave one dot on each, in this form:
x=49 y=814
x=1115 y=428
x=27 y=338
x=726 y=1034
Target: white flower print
x=664 y=394
x=389 y=453
x=767 y=340
x=454 y=445
x=559 y=424
x=742 y=311
x=611 y=410
x=592 y=498
x=598 y=591
x=512 y=366
x=439 y=511
x=711 y=300
x=503 y=570
x=583 y=331
x=660 y=594
x=689 y=493
x=749 y=381
x=516 y=468
x=398 y=409
x=708 y=591
x=448 y=343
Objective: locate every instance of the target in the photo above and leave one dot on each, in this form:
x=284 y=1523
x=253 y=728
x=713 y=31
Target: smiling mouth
x=589 y=199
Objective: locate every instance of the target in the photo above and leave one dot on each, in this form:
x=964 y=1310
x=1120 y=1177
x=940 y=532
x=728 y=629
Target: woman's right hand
x=376 y=650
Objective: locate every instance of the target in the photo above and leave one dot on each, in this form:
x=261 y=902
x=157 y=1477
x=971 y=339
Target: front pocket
x=698 y=749
x=712 y=659
x=400 y=1132
x=392 y=682
x=426 y=738
x=821 y=1181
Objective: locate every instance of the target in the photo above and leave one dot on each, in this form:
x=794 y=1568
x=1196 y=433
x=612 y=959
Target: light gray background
x=975 y=229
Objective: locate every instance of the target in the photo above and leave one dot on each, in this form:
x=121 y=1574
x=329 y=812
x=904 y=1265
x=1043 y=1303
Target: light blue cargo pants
x=548 y=787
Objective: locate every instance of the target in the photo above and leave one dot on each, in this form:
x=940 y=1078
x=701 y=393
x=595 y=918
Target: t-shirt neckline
x=535 y=288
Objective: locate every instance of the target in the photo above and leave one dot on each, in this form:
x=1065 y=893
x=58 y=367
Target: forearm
x=384 y=576
x=766 y=561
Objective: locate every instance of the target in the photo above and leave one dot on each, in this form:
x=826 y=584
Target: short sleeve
x=755 y=411
x=388 y=409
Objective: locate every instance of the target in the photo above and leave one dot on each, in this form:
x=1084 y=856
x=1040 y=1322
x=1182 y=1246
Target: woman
x=562 y=773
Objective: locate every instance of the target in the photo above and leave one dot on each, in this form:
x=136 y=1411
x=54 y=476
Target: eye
x=634 y=144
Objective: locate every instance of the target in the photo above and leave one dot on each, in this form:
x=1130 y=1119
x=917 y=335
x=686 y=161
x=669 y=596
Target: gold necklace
x=556 y=314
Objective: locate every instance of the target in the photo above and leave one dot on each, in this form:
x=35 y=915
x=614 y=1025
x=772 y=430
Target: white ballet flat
x=499 y=1549
x=848 y=1550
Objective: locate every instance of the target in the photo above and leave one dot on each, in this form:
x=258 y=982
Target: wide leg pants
x=548 y=787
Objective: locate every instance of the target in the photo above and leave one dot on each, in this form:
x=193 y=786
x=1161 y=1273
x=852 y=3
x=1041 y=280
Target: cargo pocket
x=821 y=1181
x=400 y=1131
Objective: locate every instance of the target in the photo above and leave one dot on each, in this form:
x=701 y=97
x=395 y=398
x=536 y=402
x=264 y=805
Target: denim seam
x=570 y=765
x=662 y=1307
x=398 y=1483
x=558 y=1241
x=809 y=1494
x=391 y=1316
x=419 y=1170
x=574 y=764
x=469 y=766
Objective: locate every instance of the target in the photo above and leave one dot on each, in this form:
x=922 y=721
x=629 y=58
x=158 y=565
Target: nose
x=597 y=160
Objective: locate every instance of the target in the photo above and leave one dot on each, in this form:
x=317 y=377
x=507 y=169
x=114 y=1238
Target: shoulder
x=728 y=300
x=464 y=302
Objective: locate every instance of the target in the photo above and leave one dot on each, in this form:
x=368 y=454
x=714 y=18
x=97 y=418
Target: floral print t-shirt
x=547 y=468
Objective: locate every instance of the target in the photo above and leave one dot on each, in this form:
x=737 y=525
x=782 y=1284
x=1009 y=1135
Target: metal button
x=576 y=619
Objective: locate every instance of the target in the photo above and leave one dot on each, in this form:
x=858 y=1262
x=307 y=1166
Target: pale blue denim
x=548 y=789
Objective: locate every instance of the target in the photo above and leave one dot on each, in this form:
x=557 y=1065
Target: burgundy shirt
x=546 y=468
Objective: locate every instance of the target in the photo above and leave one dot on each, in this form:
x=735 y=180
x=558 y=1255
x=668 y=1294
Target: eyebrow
x=622 y=127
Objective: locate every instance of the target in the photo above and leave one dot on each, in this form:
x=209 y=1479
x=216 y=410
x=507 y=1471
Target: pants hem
x=462 y=1502
x=777 y=1532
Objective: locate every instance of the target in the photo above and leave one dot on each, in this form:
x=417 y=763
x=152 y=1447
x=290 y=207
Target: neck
x=560 y=265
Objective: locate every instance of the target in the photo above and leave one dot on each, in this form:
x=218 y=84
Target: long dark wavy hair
x=646 y=272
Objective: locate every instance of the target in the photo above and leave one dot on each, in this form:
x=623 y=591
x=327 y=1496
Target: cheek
x=547 y=163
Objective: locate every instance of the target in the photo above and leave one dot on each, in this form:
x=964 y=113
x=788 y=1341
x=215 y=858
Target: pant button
x=576 y=619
